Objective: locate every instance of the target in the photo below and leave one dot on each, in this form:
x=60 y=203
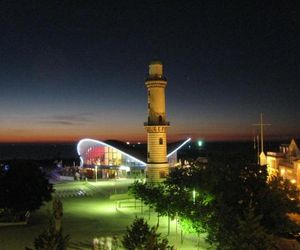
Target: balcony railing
x=157 y=123
x=149 y=78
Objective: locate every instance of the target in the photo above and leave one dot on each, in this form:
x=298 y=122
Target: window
x=160 y=119
x=148 y=155
x=161 y=141
x=162 y=174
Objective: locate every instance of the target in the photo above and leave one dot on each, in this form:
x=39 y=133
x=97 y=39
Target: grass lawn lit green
x=91 y=215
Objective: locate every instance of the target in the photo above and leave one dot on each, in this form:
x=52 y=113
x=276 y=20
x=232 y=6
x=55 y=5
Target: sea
x=38 y=151
x=59 y=151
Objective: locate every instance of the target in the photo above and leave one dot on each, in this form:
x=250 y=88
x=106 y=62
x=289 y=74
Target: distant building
x=286 y=162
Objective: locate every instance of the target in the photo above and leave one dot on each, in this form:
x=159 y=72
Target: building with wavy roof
x=115 y=158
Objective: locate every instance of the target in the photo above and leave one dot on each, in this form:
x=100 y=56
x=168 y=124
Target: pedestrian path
x=73 y=193
x=74 y=189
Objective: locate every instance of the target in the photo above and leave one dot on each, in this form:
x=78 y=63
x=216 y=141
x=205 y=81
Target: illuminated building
x=115 y=158
x=285 y=163
x=156 y=125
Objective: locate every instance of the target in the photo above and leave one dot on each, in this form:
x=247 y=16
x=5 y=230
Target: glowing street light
x=194 y=196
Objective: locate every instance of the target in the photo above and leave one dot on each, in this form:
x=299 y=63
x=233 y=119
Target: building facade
x=108 y=159
x=156 y=125
x=285 y=163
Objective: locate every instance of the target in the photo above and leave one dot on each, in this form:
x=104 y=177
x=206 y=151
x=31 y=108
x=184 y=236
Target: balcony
x=161 y=123
x=151 y=78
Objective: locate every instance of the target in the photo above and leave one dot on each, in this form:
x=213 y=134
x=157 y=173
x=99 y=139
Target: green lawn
x=88 y=212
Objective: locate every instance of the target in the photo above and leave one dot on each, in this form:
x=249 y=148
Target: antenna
x=262 y=124
x=261 y=157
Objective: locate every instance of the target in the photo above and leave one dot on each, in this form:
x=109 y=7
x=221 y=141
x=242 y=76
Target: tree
x=23 y=187
x=249 y=234
x=157 y=197
x=57 y=213
x=213 y=198
x=174 y=198
x=52 y=238
x=139 y=236
x=238 y=186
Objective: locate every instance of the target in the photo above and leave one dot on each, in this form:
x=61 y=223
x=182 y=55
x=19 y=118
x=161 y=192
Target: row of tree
x=229 y=200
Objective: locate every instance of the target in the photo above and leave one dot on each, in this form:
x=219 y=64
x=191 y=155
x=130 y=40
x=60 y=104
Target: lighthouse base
x=157 y=172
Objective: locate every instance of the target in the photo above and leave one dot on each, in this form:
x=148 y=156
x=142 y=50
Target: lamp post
x=115 y=183
x=194 y=196
x=96 y=170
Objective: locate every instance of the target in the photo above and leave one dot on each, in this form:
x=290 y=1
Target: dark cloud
x=58 y=122
x=69 y=119
x=80 y=117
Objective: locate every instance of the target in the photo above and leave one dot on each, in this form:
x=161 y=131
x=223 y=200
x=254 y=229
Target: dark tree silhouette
x=139 y=236
x=52 y=237
x=23 y=187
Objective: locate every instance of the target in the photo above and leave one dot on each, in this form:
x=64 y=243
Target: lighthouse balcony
x=156 y=78
x=157 y=123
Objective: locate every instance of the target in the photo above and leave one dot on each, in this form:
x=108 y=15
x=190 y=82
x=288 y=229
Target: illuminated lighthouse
x=156 y=126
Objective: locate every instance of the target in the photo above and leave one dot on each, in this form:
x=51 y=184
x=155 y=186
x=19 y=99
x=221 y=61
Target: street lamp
x=115 y=182
x=96 y=170
x=194 y=196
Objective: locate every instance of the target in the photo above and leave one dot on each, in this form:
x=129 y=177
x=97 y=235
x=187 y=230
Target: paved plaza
x=93 y=210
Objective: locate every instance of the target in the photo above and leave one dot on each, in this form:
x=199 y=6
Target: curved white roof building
x=115 y=153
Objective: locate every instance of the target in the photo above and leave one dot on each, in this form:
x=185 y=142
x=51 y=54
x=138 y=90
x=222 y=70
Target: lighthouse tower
x=156 y=126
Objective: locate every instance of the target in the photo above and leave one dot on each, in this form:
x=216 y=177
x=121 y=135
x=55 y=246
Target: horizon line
x=142 y=141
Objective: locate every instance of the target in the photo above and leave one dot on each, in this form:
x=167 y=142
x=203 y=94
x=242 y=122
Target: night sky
x=75 y=69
